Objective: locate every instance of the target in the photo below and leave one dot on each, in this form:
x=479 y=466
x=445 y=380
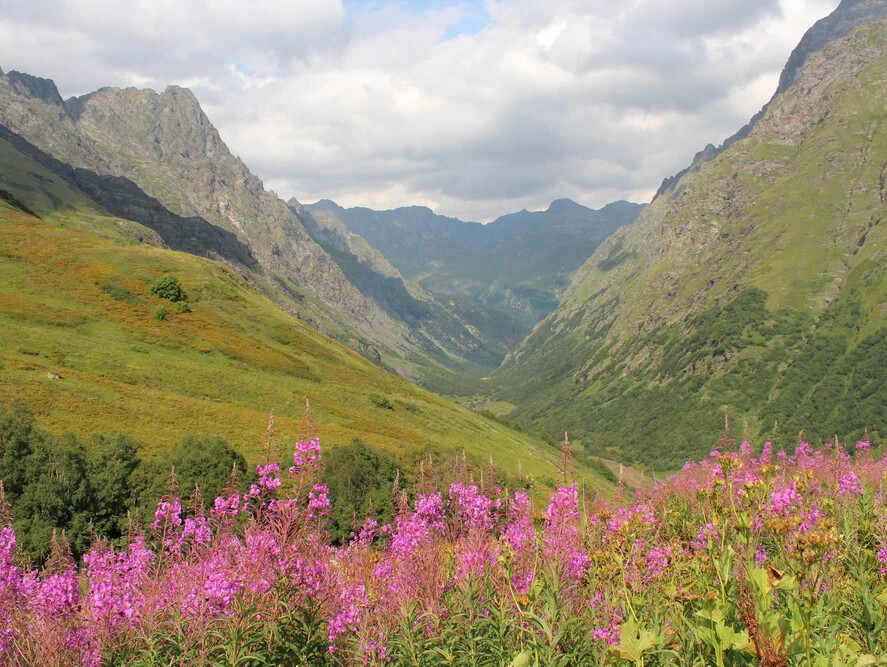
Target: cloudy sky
x=475 y=108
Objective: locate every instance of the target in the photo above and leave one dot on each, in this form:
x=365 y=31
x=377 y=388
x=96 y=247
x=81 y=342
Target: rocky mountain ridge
x=156 y=158
x=848 y=15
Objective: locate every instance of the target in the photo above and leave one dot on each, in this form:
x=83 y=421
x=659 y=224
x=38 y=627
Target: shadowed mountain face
x=755 y=286
x=121 y=197
x=515 y=266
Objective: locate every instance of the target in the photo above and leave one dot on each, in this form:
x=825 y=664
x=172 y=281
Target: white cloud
x=379 y=103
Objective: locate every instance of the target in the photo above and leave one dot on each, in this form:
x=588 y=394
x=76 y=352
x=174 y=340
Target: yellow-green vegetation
x=76 y=302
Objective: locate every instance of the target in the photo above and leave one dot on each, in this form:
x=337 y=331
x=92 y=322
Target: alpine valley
x=238 y=430
x=751 y=288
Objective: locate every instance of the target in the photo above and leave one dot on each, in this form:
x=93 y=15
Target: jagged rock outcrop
x=847 y=16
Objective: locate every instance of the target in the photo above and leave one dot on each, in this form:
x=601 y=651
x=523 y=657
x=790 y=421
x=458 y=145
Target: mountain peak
x=564 y=205
x=326 y=205
x=847 y=16
x=35 y=86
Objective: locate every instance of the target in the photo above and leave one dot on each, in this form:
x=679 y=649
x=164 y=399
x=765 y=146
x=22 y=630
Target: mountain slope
x=157 y=158
x=756 y=286
x=515 y=266
x=75 y=302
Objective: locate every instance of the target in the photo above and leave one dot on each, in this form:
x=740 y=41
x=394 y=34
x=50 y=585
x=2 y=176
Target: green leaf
x=522 y=659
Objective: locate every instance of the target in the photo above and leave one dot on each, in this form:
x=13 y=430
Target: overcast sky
x=474 y=108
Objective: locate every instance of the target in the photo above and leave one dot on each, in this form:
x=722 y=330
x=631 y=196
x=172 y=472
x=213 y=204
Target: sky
x=475 y=108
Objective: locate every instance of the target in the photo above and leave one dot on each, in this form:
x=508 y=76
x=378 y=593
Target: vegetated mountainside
x=756 y=287
x=515 y=267
x=156 y=158
x=91 y=349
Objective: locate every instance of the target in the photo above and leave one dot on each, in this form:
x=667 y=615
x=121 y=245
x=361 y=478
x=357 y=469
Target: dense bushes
x=57 y=483
x=360 y=482
x=168 y=287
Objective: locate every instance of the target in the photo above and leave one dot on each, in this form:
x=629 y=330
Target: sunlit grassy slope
x=75 y=301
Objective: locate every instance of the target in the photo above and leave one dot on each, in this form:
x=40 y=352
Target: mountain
x=91 y=349
x=157 y=159
x=515 y=267
x=846 y=16
x=465 y=340
x=755 y=287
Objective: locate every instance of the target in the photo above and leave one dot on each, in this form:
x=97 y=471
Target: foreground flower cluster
x=742 y=558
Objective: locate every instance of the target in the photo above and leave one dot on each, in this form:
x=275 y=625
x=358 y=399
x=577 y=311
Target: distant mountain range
x=498 y=278
x=517 y=265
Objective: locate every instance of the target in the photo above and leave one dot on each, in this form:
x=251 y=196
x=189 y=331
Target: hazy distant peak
x=564 y=205
x=325 y=205
x=35 y=86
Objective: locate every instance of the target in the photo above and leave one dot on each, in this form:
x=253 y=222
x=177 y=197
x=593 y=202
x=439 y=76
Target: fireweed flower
x=226 y=507
x=785 y=500
x=562 y=541
x=318 y=502
x=705 y=537
x=167 y=514
x=475 y=509
x=377 y=593
x=882 y=558
x=306 y=456
x=269 y=476
x=115 y=580
x=658 y=560
x=849 y=484
x=351 y=602
x=520 y=535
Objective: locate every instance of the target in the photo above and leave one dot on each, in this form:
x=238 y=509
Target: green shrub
x=183 y=307
x=381 y=402
x=160 y=313
x=168 y=287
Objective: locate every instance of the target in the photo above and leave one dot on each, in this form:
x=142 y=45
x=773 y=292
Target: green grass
x=75 y=301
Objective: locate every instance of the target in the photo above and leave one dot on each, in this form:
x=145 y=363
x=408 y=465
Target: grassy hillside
x=75 y=302
x=756 y=289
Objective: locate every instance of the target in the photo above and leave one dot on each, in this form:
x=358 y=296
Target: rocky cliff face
x=847 y=16
x=754 y=285
x=162 y=148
